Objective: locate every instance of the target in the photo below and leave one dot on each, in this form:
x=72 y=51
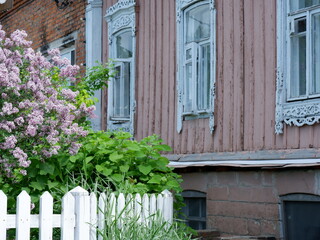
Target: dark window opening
x=301 y=218
x=194 y=211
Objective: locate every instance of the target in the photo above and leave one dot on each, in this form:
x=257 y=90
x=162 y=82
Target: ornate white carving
x=121 y=4
x=302 y=114
x=179 y=109
x=123 y=21
x=279 y=103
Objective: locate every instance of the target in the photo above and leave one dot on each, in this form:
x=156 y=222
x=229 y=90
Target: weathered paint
x=245 y=80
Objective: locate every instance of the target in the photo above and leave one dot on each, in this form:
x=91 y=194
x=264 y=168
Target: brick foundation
x=246 y=203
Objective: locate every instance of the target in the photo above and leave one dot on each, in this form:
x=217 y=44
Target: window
x=121 y=82
x=194 y=211
x=299 y=216
x=195 y=24
x=66 y=45
x=121 y=30
x=69 y=53
x=298 y=80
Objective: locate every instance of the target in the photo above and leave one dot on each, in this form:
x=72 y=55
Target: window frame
x=183 y=7
x=293 y=197
x=121 y=18
x=301 y=110
x=189 y=195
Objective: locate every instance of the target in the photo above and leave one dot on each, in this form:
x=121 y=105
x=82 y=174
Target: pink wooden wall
x=245 y=80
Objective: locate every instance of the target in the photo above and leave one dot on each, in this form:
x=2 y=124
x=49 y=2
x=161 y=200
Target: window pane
x=116 y=92
x=298 y=66
x=126 y=90
x=203 y=86
x=188 y=88
x=198 y=23
x=315 y=85
x=299 y=4
x=121 y=91
x=124 y=45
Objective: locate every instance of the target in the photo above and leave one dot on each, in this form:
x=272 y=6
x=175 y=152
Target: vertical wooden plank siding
x=219 y=104
x=238 y=23
x=227 y=75
x=164 y=124
x=259 y=74
x=158 y=68
x=245 y=80
x=270 y=83
x=249 y=39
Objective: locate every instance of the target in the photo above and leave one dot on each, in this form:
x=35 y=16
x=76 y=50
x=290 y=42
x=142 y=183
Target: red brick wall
x=44 y=22
x=246 y=203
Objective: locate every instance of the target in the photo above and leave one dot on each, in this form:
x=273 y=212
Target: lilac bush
x=39 y=117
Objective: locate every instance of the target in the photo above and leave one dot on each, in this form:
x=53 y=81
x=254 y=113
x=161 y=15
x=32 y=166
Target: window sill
x=194 y=116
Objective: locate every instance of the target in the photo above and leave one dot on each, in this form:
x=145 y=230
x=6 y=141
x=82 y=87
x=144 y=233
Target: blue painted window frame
x=121 y=17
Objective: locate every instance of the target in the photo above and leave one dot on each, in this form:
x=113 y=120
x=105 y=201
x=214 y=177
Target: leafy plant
x=130 y=166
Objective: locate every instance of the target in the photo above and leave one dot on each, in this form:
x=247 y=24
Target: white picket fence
x=82 y=214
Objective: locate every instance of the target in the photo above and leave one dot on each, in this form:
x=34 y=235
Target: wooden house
x=233 y=87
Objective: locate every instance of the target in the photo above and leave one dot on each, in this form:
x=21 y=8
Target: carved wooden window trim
x=121 y=18
x=181 y=7
x=297 y=111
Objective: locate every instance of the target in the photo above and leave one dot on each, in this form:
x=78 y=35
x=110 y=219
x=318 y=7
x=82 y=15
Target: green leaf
x=73 y=159
x=155 y=179
x=133 y=146
x=52 y=184
x=123 y=135
x=88 y=159
x=115 y=156
x=145 y=169
x=100 y=168
x=173 y=184
x=46 y=168
x=36 y=185
x=107 y=172
x=163 y=147
x=124 y=168
x=117 y=177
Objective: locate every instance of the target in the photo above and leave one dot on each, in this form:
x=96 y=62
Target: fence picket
x=93 y=216
x=82 y=208
x=112 y=205
x=129 y=206
x=23 y=216
x=101 y=215
x=168 y=206
x=46 y=216
x=121 y=203
x=160 y=204
x=67 y=217
x=137 y=207
x=145 y=209
x=153 y=206
x=3 y=216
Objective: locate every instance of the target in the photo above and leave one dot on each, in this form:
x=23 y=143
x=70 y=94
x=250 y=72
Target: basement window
x=195 y=209
x=300 y=216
